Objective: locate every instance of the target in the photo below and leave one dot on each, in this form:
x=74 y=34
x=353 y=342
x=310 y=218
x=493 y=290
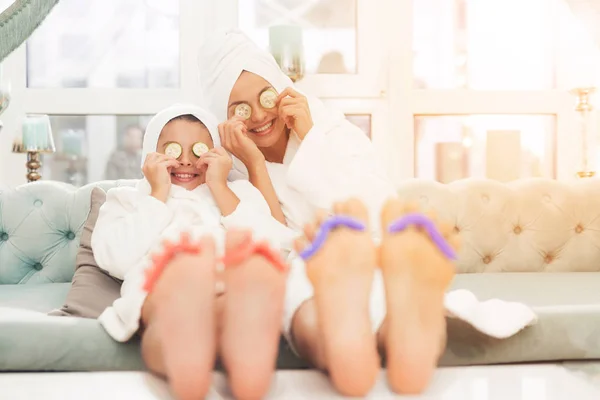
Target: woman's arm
x=226 y=199
x=253 y=213
x=259 y=177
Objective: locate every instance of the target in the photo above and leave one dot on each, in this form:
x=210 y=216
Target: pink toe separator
x=247 y=248
x=161 y=260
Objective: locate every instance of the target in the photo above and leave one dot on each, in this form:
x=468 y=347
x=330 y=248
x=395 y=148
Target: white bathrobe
x=335 y=161
x=132 y=225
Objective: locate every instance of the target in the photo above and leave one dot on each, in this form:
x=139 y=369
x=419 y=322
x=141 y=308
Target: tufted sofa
x=535 y=241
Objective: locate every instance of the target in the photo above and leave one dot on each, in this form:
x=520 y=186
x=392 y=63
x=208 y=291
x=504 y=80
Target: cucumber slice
x=268 y=98
x=199 y=148
x=243 y=110
x=173 y=150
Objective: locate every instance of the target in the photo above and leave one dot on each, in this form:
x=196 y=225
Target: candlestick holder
x=584 y=109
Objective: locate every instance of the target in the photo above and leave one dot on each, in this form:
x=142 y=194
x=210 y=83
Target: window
x=484 y=44
x=501 y=147
x=107 y=44
x=328 y=30
x=91 y=148
x=414 y=75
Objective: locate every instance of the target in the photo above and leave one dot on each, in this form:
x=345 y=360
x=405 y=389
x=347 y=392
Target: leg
x=334 y=330
x=252 y=315
x=416 y=276
x=307 y=335
x=178 y=341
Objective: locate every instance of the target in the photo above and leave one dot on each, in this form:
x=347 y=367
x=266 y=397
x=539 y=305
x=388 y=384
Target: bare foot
x=342 y=276
x=252 y=317
x=416 y=276
x=180 y=323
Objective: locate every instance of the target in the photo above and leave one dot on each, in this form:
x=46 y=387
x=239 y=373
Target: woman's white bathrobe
x=335 y=161
x=132 y=224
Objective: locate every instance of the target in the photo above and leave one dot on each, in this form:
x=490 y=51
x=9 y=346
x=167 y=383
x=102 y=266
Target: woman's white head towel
x=158 y=122
x=225 y=55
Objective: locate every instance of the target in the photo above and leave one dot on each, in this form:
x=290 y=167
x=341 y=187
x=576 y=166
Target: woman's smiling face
x=265 y=128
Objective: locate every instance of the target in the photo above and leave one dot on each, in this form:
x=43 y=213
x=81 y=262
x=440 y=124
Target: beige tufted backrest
x=533 y=225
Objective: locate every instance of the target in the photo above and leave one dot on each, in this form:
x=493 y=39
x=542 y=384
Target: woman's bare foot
x=252 y=317
x=416 y=276
x=179 y=339
x=342 y=276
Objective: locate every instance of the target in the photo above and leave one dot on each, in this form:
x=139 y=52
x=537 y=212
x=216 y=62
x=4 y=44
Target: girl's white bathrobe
x=334 y=162
x=132 y=224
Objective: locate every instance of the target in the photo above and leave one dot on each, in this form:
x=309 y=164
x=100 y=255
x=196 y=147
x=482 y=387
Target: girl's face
x=186 y=133
x=265 y=128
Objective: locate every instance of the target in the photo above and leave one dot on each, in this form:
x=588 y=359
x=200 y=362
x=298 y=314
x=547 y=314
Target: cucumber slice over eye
x=243 y=110
x=199 y=148
x=268 y=98
x=173 y=150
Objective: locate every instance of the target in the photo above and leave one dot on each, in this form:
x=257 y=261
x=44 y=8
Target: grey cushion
x=568 y=308
x=64 y=344
x=92 y=289
x=79 y=344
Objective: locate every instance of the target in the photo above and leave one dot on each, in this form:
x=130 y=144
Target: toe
x=301 y=243
x=321 y=216
x=339 y=208
x=310 y=231
x=411 y=207
x=207 y=245
x=433 y=216
x=455 y=240
x=357 y=209
x=392 y=210
x=446 y=229
x=234 y=238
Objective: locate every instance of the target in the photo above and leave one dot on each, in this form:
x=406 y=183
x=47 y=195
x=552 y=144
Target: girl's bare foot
x=179 y=339
x=342 y=275
x=252 y=318
x=416 y=276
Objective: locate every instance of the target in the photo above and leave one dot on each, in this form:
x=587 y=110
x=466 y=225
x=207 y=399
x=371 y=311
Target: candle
x=285 y=44
x=285 y=38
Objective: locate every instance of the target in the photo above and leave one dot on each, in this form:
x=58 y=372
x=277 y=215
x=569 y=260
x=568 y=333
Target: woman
x=305 y=158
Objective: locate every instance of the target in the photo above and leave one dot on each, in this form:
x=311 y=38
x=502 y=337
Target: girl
x=189 y=307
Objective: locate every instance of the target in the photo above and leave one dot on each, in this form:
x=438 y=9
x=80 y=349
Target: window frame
x=385 y=93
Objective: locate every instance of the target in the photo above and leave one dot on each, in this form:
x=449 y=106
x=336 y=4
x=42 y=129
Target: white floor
x=536 y=382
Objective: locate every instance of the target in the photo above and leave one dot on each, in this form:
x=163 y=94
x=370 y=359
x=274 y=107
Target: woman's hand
x=218 y=164
x=157 y=170
x=234 y=138
x=294 y=110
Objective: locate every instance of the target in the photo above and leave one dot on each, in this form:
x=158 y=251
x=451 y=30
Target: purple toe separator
x=326 y=227
x=424 y=222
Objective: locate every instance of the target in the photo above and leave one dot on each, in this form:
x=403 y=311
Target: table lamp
x=35 y=138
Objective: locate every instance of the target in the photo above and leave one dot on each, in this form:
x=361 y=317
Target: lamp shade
x=36 y=135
